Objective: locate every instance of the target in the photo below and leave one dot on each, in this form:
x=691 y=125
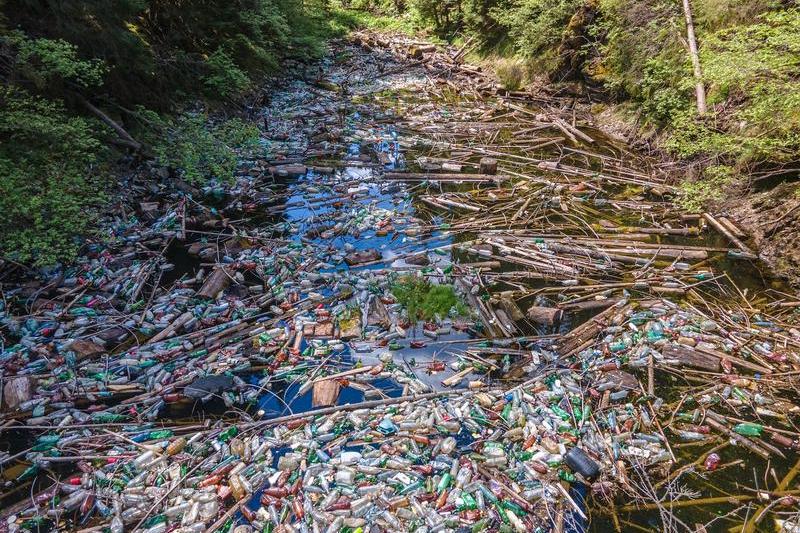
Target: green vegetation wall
x=85 y=82
x=637 y=51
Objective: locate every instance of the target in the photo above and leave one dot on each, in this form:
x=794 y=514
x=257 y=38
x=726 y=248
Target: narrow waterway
x=588 y=312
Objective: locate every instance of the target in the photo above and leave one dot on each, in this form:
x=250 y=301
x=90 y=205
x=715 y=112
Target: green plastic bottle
x=748 y=429
x=228 y=434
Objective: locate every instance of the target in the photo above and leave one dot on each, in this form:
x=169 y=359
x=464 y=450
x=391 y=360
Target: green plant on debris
x=424 y=300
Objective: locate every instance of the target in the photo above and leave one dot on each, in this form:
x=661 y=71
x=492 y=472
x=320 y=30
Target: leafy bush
x=45 y=62
x=666 y=89
x=696 y=195
x=49 y=180
x=225 y=77
x=536 y=26
x=198 y=150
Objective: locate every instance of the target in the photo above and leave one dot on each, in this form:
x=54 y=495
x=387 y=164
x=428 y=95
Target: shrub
x=510 y=72
x=695 y=195
x=536 y=26
x=225 y=78
x=50 y=183
x=197 y=149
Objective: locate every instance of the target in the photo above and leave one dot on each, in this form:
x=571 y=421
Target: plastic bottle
x=712 y=462
x=749 y=429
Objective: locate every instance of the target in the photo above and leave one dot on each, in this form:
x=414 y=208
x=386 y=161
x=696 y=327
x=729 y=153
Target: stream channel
x=583 y=295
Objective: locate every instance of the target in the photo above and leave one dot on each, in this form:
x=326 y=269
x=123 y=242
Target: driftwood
x=586 y=333
x=430 y=176
x=216 y=282
x=717 y=225
x=690 y=357
x=511 y=309
x=325 y=393
x=488 y=166
x=173 y=327
x=125 y=138
x=546 y=316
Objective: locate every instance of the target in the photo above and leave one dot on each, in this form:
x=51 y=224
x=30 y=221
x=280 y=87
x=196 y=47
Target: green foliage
x=49 y=183
x=48 y=61
x=197 y=149
x=536 y=26
x=696 y=195
x=424 y=300
x=159 y=54
x=635 y=38
x=665 y=90
x=225 y=78
x=150 y=55
x=755 y=67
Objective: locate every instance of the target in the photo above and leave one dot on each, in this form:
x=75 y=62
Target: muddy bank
x=770 y=218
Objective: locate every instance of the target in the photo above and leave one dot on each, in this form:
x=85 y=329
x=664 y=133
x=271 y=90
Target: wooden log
x=488 y=265
x=717 y=225
x=511 y=309
x=545 y=316
x=688 y=356
x=586 y=333
x=505 y=320
x=449 y=203
x=737 y=361
x=428 y=176
x=725 y=221
x=215 y=283
x=588 y=305
x=488 y=165
x=325 y=393
x=173 y=327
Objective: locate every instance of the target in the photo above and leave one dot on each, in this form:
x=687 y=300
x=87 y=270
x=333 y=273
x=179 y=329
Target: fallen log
x=545 y=316
x=215 y=283
x=717 y=225
x=428 y=176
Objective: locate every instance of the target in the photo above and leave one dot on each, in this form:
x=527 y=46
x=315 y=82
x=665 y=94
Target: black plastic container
x=582 y=464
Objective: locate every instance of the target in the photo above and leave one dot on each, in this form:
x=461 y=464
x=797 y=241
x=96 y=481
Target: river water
x=571 y=219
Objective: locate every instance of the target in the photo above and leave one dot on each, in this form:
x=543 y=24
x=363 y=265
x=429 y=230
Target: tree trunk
x=698 y=73
x=125 y=137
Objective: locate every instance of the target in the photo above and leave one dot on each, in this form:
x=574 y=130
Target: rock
x=420 y=259
x=84 y=348
x=619 y=380
x=18 y=390
x=362 y=256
